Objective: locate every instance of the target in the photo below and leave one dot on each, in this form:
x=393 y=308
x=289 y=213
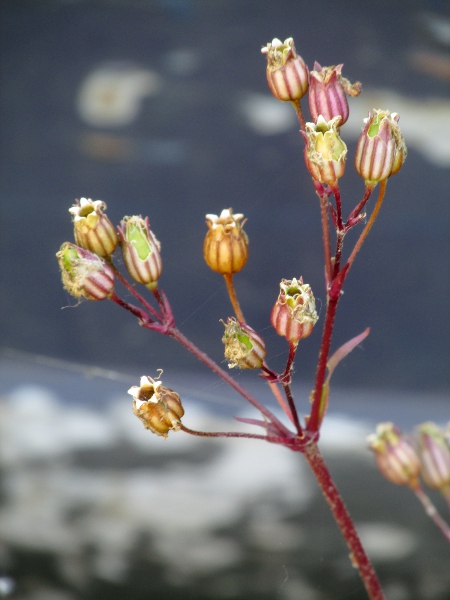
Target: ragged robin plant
x=89 y=271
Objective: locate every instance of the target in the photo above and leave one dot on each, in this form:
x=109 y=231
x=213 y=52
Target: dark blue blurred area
x=187 y=150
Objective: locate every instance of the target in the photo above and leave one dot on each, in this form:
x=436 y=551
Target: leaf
x=332 y=363
x=344 y=350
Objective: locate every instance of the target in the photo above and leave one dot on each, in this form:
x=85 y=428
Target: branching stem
x=342 y=517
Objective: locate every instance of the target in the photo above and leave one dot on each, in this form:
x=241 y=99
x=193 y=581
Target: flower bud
x=395 y=456
x=294 y=314
x=287 y=74
x=244 y=348
x=92 y=228
x=434 y=454
x=226 y=244
x=325 y=152
x=141 y=251
x=327 y=93
x=84 y=274
x=158 y=408
x=381 y=149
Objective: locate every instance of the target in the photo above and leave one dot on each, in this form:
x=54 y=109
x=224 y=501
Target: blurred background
x=161 y=108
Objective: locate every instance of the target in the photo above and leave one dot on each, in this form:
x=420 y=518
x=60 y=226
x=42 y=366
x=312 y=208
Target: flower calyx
x=294 y=313
x=434 y=454
x=325 y=151
x=381 y=149
x=92 y=228
x=244 y=348
x=395 y=456
x=140 y=250
x=225 y=248
x=84 y=274
x=157 y=407
x=287 y=73
x=328 y=92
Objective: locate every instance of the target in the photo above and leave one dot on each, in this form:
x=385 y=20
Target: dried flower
x=328 y=93
x=244 y=348
x=84 y=274
x=325 y=152
x=159 y=408
x=287 y=74
x=395 y=456
x=381 y=149
x=92 y=228
x=141 y=251
x=226 y=244
x=434 y=454
x=294 y=314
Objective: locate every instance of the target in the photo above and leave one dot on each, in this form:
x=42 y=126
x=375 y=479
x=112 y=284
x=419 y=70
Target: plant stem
x=293 y=408
x=358 y=555
x=370 y=222
x=314 y=419
x=231 y=434
x=337 y=257
x=286 y=381
x=298 y=111
x=326 y=238
x=135 y=293
x=204 y=358
x=240 y=317
x=333 y=299
x=337 y=196
x=431 y=511
x=356 y=211
x=134 y=310
x=233 y=298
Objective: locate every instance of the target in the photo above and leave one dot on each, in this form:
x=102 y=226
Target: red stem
x=204 y=358
x=293 y=408
x=286 y=381
x=340 y=230
x=337 y=196
x=134 y=310
x=240 y=317
x=326 y=238
x=370 y=222
x=135 y=293
x=232 y=434
x=356 y=211
x=299 y=112
x=333 y=299
x=342 y=517
x=431 y=511
x=314 y=418
x=337 y=257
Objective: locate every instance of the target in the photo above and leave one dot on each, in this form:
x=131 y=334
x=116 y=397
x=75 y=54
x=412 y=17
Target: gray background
x=91 y=506
x=190 y=151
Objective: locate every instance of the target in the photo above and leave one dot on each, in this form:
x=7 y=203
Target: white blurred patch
x=111 y=95
x=266 y=115
x=385 y=542
x=179 y=502
x=438 y=26
x=7 y=586
x=425 y=123
x=39 y=427
x=341 y=433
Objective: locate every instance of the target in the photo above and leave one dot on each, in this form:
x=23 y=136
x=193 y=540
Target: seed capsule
x=92 y=228
x=159 y=408
x=244 y=348
x=294 y=314
x=226 y=244
x=287 y=73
